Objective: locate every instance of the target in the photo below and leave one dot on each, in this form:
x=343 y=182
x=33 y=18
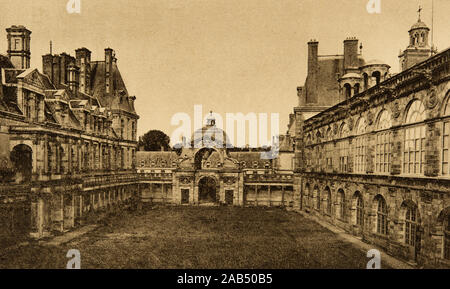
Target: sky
x=229 y=56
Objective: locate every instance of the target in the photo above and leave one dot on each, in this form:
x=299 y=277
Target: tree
x=154 y=140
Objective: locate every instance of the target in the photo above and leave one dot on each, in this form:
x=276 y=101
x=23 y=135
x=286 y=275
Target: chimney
x=19 y=46
x=109 y=59
x=47 y=66
x=350 y=53
x=83 y=60
x=74 y=78
x=313 y=70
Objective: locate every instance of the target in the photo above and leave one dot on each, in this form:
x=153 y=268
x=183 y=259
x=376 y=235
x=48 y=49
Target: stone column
x=69 y=217
x=396 y=149
x=57 y=212
x=432 y=153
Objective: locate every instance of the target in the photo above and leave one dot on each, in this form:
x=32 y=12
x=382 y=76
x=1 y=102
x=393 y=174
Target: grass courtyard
x=199 y=237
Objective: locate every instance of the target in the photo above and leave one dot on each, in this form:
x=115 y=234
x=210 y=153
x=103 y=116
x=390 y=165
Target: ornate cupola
x=418 y=49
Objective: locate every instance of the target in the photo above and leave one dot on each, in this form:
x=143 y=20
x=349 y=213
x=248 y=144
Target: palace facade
x=208 y=172
x=67 y=138
x=376 y=164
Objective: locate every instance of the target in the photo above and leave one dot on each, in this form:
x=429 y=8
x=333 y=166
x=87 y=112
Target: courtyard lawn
x=199 y=237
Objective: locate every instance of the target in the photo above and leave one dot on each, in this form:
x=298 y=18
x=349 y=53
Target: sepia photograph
x=220 y=141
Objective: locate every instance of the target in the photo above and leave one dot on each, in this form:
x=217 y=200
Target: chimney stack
x=19 y=46
x=83 y=60
x=350 y=53
x=109 y=59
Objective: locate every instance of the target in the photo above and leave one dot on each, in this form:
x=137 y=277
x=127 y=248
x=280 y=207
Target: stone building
x=376 y=164
x=209 y=172
x=67 y=138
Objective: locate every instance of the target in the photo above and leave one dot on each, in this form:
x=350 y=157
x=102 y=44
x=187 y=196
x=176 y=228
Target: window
x=307 y=195
x=359 y=210
x=360 y=147
x=445 y=141
x=382 y=222
x=49 y=158
x=328 y=194
x=447 y=238
x=377 y=76
x=383 y=145
x=343 y=149
x=347 y=91
x=317 y=194
x=341 y=204
x=414 y=145
x=410 y=225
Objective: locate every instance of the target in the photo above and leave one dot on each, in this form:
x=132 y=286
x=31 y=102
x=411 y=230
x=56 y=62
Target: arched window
x=366 y=81
x=341 y=205
x=414 y=145
x=383 y=146
x=445 y=140
x=343 y=148
x=410 y=225
x=447 y=237
x=307 y=195
x=382 y=216
x=317 y=194
x=359 y=209
x=329 y=203
x=347 y=91
x=377 y=76
x=360 y=147
x=49 y=158
x=356 y=89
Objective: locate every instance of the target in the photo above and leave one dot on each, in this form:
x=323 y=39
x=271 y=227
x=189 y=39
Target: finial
x=360 y=48
x=418 y=11
x=51 y=47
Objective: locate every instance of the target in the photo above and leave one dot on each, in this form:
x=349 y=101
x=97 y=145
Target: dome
x=351 y=75
x=419 y=25
x=210 y=136
x=375 y=61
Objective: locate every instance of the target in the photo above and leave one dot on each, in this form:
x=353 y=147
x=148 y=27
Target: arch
x=329 y=135
x=316 y=194
x=358 y=208
x=344 y=130
x=443 y=223
x=307 y=194
x=381 y=215
x=415 y=112
x=202 y=156
x=446 y=106
x=356 y=88
x=22 y=159
x=347 y=91
x=377 y=75
x=207 y=190
x=361 y=126
x=366 y=81
x=384 y=120
x=328 y=200
x=341 y=212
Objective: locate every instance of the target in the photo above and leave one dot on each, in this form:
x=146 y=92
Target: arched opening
x=359 y=209
x=22 y=159
x=411 y=223
x=377 y=76
x=328 y=200
x=356 y=89
x=366 y=81
x=202 y=156
x=381 y=215
x=443 y=227
x=207 y=190
x=341 y=205
x=347 y=91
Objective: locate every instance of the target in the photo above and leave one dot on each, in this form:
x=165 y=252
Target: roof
x=157 y=159
x=5 y=62
x=351 y=75
x=419 y=25
x=119 y=98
